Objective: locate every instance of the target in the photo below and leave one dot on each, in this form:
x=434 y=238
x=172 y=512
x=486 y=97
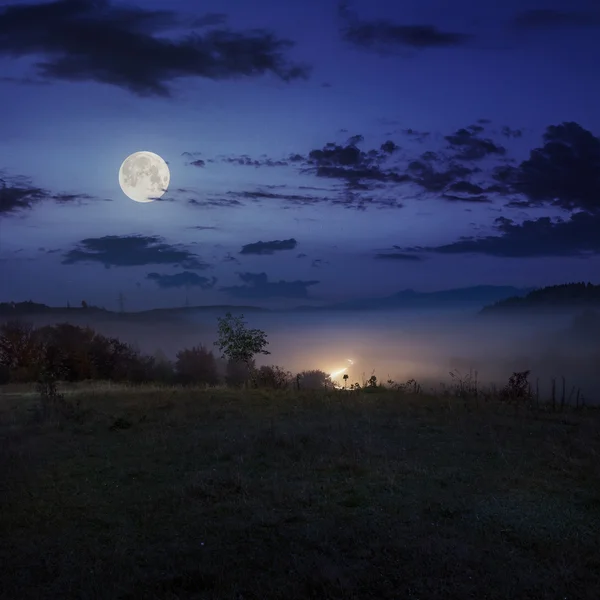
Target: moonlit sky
x=388 y=145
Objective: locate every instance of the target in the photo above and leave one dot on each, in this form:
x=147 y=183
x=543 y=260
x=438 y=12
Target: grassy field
x=244 y=495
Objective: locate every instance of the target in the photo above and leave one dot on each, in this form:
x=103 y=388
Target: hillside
x=474 y=296
x=551 y=298
x=478 y=295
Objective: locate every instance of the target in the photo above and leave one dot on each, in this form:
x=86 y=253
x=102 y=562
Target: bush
x=238 y=373
x=196 y=365
x=273 y=377
x=163 y=370
x=315 y=380
x=517 y=390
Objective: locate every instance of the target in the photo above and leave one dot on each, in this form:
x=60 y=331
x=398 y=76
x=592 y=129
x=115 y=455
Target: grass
x=247 y=495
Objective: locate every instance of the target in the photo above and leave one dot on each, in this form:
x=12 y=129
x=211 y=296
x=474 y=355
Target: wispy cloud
x=18 y=194
x=385 y=36
x=269 y=247
x=577 y=236
x=131 y=250
x=185 y=279
x=257 y=285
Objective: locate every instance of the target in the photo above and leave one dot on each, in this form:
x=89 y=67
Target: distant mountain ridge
x=479 y=295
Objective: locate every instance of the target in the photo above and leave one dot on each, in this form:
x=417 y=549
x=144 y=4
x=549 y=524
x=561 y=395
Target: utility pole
x=121 y=302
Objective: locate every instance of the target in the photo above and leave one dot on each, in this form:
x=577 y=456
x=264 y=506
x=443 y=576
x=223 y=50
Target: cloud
x=564 y=172
x=465 y=187
x=269 y=247
x=577 y=236
x=230 y=258
x=443 y=172
x=419 y=136
x=210 y=20
x=184 y=279
x=258 y=286
x=455 y=198
x=385 y=36
x=94 y=40
x=511 y=133
x=471 y=147
x=351 y=164
x=397 y=256
x=318 y=263
x=426 y=176
x=23 y=81
x=296 y=199
x=70 y=198
x=18 y=194
x=550 y=19
x=131 y=250
x=246 y=161
x=214 y=203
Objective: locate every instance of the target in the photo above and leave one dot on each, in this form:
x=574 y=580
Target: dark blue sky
x=386 y=145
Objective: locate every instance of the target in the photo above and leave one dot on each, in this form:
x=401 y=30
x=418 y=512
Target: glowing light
x=336 y=373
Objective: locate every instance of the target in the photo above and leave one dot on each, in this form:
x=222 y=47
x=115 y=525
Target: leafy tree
x=19 y=349
x=74 y=343
x=238 y=343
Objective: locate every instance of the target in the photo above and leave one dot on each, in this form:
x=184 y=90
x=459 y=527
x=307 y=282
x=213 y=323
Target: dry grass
x=172 y=493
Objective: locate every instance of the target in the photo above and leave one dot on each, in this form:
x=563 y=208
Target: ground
x=174 y=493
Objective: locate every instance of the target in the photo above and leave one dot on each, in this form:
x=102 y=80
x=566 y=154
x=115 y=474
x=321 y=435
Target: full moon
x=144 y=176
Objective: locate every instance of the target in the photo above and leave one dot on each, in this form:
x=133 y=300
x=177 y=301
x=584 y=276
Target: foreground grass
x=260 y=495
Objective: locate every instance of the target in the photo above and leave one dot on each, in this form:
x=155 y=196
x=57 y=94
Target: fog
x=397 y=345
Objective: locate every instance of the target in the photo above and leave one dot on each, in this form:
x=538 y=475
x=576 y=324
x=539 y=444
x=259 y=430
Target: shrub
x=196 y=365
x=517 y=390
x=273 y=377
x=314 y=380
x=238 y=373
x=163 y=370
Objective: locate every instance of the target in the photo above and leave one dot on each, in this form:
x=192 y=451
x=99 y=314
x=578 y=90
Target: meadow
x=157 y=492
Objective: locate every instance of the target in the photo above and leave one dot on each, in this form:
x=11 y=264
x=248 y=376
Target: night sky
x=319 y=151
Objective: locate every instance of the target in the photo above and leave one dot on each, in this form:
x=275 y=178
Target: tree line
x=75 y=353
